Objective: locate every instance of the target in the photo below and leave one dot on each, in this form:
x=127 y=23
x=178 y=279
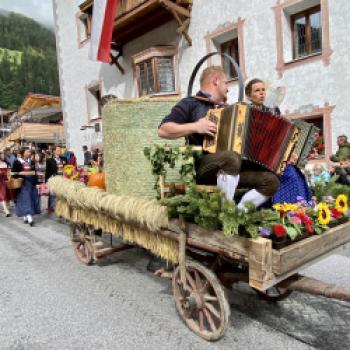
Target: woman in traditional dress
x=28 y=200
x=5 y=194
x=293 y=183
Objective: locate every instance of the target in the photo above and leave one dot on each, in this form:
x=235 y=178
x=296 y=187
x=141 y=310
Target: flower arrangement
x=77 y=173
x=306 y=218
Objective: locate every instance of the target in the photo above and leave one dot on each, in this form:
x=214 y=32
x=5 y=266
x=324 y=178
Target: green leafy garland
x=213 y=212
x=163 y=157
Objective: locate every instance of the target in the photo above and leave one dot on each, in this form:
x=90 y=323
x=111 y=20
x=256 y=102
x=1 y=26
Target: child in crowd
x=319 y=175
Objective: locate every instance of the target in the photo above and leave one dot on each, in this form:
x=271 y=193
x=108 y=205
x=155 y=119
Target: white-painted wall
x=312 y=84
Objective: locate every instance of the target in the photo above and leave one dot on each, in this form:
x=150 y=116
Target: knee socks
x=228 y=185
x=252 y=196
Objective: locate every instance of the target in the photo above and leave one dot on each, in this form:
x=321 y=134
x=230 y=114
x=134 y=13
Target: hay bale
x=128 y=127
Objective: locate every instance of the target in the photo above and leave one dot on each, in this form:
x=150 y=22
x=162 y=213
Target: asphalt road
x=49 y=300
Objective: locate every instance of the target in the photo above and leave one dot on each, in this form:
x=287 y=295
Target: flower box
x=288 y=241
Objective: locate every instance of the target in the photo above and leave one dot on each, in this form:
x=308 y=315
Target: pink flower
x=295 y=220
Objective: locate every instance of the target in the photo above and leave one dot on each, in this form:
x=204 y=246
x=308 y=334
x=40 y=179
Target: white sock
x=252 y=196
x=228 y=184
x=29 y=218
x=25 y=218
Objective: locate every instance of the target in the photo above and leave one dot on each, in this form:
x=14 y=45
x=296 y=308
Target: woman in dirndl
x=5 y=194
x=28 y=200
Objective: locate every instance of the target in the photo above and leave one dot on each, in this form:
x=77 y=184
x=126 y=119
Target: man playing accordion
x=224 y=168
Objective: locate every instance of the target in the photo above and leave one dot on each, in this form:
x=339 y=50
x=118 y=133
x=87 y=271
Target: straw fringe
x=115 y=214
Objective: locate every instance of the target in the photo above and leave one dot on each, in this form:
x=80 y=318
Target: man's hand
x=206 y=127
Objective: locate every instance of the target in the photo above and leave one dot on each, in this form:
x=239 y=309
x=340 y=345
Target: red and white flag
x=103 y=15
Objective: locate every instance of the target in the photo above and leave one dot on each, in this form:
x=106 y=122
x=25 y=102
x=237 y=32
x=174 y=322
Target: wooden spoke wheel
x=202 y=304
x=75 y=231
x=274 y=293
x=83 y=247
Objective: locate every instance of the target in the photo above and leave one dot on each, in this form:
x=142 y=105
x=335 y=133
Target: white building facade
x=298 y=47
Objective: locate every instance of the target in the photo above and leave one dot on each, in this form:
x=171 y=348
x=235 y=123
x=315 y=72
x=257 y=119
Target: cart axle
x=313 y=286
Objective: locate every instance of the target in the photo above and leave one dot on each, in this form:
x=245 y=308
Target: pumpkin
x=97 y=180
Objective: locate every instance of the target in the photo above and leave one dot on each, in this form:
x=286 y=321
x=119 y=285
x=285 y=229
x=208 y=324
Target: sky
x=39 y=10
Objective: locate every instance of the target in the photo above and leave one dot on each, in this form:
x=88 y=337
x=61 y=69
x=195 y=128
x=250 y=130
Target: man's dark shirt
x=87 y=157
x=190 y=110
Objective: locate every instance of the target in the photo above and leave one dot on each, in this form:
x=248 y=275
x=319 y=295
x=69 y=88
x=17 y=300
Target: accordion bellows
x=261 y=137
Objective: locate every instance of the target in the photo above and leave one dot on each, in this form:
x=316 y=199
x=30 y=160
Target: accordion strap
x=235 y=65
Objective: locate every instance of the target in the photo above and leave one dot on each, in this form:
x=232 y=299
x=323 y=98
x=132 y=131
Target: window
x=84 y=19
x=155 y=71
x=318 y=149
x=307 y=33
x=228 y=39
x=231 y=49
x=94 y=105
x=302 y=33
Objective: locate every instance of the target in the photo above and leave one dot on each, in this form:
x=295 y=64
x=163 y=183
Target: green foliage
x=165 y=156
x=292 y=232
x=209 y=210
x=27 y=60
x=13 y=56
x=186 y=205
x=331 y=189
x=212 y=211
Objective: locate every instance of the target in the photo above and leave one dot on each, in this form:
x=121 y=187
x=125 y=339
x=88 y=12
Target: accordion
x=259 y=136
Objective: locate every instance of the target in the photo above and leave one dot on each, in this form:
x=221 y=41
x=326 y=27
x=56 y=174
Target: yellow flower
x=290 y=207
x=341 y=203
x=277 y=206
x=68 y=169
x=324 y=214
x=285 y=207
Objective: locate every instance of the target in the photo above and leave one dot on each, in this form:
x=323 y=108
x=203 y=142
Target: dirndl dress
x=5 y=194
x=293 y=184
x=28 y=200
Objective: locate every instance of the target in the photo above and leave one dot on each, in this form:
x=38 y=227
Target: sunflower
x=341 y=203
x=324 y=214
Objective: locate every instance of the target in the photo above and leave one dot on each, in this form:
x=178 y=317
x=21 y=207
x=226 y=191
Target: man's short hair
x=249 y=86
x=209 y=73
x=85 y=148
x=344 y=137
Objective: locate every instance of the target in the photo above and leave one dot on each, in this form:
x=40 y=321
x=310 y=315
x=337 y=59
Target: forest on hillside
x=27 y=60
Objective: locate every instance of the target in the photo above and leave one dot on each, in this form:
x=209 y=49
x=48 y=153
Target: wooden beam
x=172 y=6
x=260 y=262
x=179 y=21
x=184 y=26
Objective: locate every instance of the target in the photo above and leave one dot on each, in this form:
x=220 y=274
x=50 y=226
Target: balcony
x=137 y=17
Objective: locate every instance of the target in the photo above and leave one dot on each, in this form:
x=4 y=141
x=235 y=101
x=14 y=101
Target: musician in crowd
x=293 y=183
x=224 y=168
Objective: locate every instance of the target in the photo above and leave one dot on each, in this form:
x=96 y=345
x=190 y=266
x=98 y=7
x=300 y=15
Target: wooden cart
x=209 y=261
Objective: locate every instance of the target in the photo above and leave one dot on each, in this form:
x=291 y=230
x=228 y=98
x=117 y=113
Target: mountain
x=27 y=59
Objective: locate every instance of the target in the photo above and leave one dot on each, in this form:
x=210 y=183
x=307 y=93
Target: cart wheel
x=202 y=305
x=75 y=231
x=274 y=293
x=84 y=250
